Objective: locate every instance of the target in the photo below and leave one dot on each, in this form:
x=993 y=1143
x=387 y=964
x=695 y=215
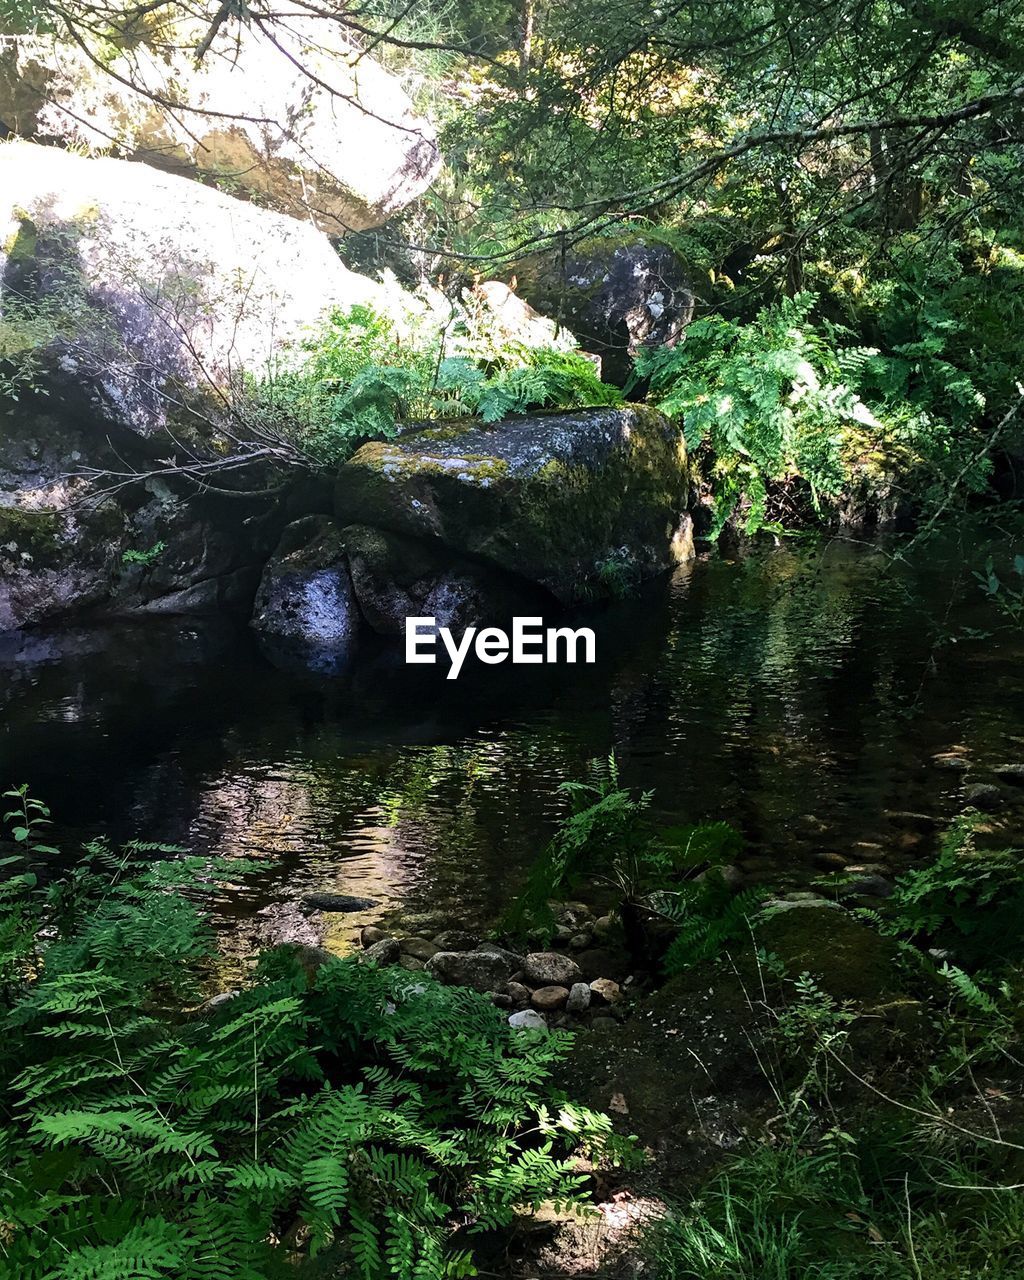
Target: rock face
x=151 y=289
x=568 y=501
x=139 y=294
x=291 y=117
x=396 y=577
x=305 y=601
x=617 y=295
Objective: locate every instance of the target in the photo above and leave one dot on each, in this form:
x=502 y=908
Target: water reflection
x=801 y=694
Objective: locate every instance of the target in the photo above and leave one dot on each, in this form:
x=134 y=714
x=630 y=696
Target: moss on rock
x=548 y=497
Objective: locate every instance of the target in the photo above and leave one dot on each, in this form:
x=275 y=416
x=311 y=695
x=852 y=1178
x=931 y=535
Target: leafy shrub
x=369 y=1113
x=784 y=401
x=969 y=899
x=363 y=373
x=605 y=837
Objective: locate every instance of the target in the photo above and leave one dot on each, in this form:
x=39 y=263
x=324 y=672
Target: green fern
x=137 y=1141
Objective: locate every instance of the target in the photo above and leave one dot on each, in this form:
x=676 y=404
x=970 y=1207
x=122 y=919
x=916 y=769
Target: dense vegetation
x=329 y=1106
x=841 y=184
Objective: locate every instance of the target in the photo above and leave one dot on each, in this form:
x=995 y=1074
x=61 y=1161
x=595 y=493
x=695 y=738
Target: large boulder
x=616 y=294
x=289 y=115
x=577 y=503
x=132 y=304
x=304 y=605
x=143 y=295
x=396 y=577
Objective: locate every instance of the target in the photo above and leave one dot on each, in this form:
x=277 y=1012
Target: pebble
x=983 y=795
x=527 y=1020
x=829 y=861
x=519 y=994
x=549 y=998
x=873 y=887
x=605 y=990
x=579 y=998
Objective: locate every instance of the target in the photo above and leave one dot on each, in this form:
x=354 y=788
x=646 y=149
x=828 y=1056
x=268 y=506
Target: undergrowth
x=365 y=1116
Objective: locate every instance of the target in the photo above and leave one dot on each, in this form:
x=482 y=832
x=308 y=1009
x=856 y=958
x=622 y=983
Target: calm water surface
x=800 y=693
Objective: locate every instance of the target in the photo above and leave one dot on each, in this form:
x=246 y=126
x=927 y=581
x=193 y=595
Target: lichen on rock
x=549 y=497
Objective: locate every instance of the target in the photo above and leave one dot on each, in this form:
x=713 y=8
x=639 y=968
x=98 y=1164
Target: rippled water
x=800 y=693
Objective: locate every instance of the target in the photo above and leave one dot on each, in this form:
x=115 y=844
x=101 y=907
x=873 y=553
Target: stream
x=800 y=693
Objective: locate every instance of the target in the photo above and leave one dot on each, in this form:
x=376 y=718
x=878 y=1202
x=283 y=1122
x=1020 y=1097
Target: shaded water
x=801 y=694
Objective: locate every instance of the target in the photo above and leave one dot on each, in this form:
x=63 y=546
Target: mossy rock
x=617 y=293
x=849 y=958
x=551 y=498
x=32 y=532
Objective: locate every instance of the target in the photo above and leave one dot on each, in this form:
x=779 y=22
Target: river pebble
x=549 y=998
x=528 y=1020
x=579 y=998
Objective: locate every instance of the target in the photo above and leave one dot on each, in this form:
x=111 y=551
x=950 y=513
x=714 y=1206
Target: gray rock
x=983 y=795
x=617 y=294
x=1013 y=773
x=527 y=1020
x=456 y=940
x=305 y=601
x=579 y=998
x=336 y=902
x=548 y=999
x=396 y=577
x=299 y=125
x=217 y=1001
x=520 y=995
x=613 y=482
x=550 y=968
x=420 y=948
x=502 y=1000
x=370 y=934
x=729 y=875
x=411 y=963
x=385 y=952
x=179 y=280
x=481 y=970
x=872 y=886
x=513 y=958
x=604 y=925
x=580 y=941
